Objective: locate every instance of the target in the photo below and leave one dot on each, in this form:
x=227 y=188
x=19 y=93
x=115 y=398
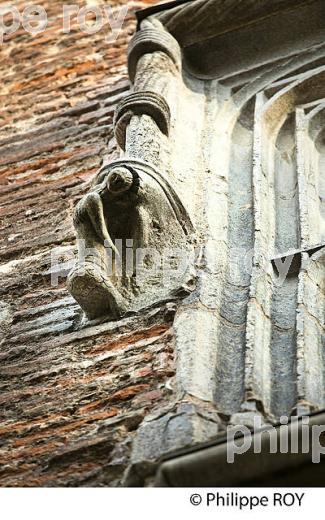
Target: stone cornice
x=215 y=16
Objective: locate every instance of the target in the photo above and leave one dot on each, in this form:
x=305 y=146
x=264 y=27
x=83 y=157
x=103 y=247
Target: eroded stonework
x=223 y=155
x=131 y=214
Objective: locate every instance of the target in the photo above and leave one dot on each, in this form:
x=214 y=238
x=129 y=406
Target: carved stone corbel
x=134 y=233
x=132 y=228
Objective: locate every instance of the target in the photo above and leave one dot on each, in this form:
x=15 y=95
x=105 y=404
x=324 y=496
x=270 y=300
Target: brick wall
x=71 y=396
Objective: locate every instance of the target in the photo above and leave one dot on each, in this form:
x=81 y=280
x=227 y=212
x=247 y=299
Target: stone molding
x=151 y=40
x=138 y=104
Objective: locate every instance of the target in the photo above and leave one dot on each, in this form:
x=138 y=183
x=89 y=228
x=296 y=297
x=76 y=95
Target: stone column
x=143 y=119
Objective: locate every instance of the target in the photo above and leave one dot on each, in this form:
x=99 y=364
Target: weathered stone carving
x=137 y=104
x=241 y=140
x=128 y=225
x=151 y=40
x=241 y=136
x=134 y=232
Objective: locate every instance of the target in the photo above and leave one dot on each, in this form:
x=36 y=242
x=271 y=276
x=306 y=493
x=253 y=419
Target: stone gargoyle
x=134 y=241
